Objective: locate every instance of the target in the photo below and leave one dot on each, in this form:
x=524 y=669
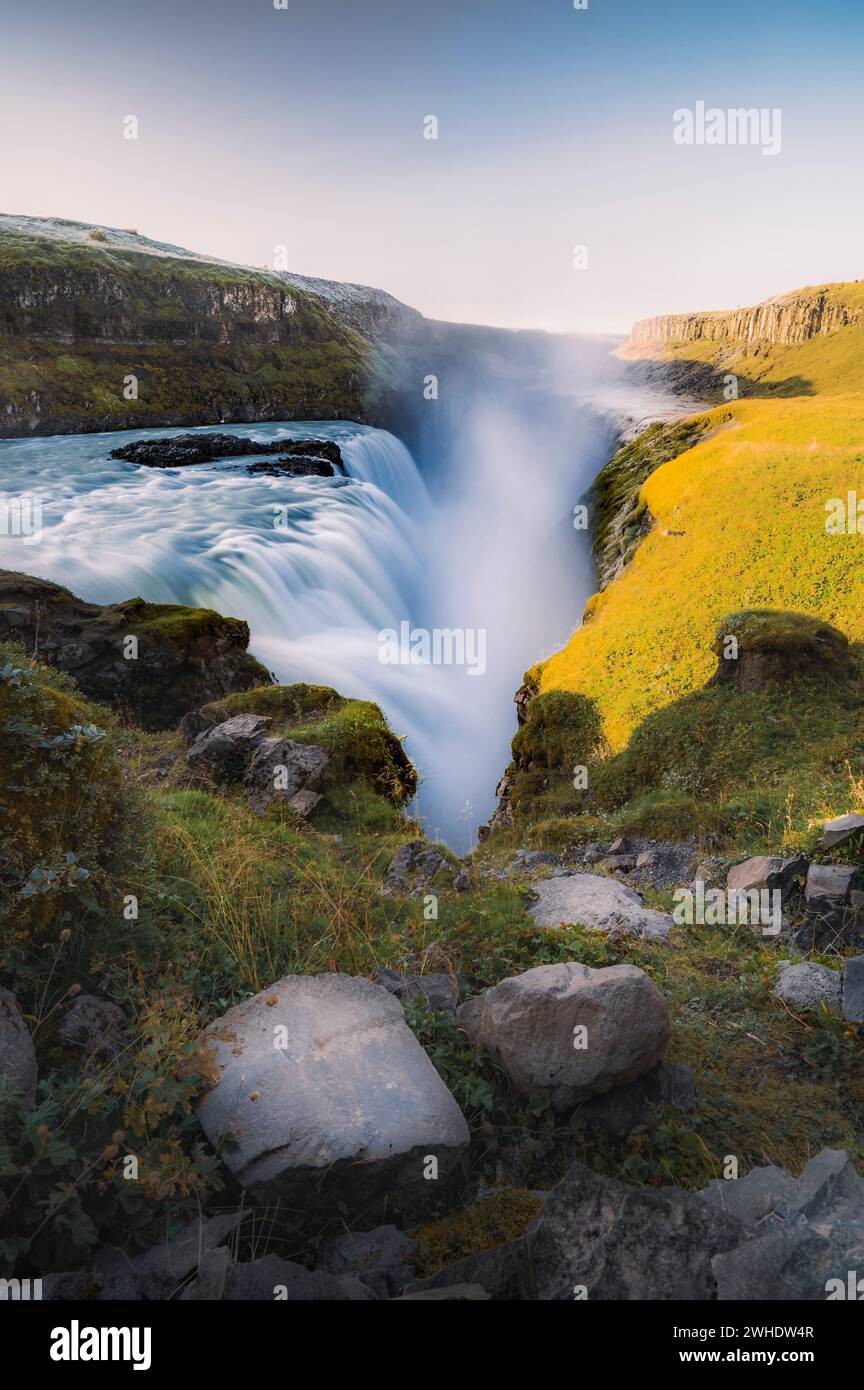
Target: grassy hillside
x=735 y=520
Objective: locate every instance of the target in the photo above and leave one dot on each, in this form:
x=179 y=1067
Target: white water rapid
x=319 y=567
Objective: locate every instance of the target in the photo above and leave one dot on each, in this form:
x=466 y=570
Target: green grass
x=737 y=525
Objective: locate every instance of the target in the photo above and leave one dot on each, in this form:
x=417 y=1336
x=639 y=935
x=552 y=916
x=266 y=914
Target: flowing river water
x=481 y=543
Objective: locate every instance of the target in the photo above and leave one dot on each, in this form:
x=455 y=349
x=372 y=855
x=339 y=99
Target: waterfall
x=321 y=567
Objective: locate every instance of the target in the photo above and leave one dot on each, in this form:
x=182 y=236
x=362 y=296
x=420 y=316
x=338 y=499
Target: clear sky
x=303 y=127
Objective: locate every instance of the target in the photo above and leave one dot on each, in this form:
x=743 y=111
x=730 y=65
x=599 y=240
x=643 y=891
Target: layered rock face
x=788 y=319
x=111 y=331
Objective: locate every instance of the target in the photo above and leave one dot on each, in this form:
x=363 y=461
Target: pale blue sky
x=262 y=127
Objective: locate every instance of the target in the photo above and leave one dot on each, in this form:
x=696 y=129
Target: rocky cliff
x=788 y=319
x=105 y=329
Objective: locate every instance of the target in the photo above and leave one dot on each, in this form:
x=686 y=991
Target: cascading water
x=320 y=567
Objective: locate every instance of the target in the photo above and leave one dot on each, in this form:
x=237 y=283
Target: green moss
x=806 y=643
x=287 y=704
x=562 y=832
x=362 y=746
x=493 y=1221
x=561 y=732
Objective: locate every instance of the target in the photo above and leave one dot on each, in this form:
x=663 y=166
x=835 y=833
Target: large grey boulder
x=765 y=871
x=569 y=1030
x=225 y=749
x=842 y=829
x=809 y=1231
x=625 y=1243
x=853 y=989
x=283 y=772
x=323 y=1085
x=829 y=1189
x=17 y=1056
x=602 y=904
x=808 y=985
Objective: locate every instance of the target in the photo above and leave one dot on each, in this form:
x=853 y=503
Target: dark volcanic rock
x=220 y=1279
x=381 y=1259
x=225 y=749
x=438 y=990
x=181 y=658
x=853 y=990
x=501 y=1271
x=281 y=771
x=801 y=1263
x=624 y=1107
x=620 y=1242
x=413 y=868
x=293 y=467
x=300 y=456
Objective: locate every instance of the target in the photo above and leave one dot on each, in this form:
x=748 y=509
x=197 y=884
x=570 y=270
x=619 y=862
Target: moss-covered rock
x=180 y=657
x=766 y=646
x=560 y=731
x=67 y=817
x=285 y=704
x=492 y=1221
x=359 y=741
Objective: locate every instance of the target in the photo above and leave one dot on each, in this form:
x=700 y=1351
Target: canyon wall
x=788 y=319
x=103 y=329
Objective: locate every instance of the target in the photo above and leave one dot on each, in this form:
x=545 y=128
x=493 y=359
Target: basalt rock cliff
x=788 y=319
x=105 y=329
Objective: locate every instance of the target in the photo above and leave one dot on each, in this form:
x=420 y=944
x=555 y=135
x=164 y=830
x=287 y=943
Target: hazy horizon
x=303 y=128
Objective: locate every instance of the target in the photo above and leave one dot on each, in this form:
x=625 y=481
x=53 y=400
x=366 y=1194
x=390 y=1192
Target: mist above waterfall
x=478 y=540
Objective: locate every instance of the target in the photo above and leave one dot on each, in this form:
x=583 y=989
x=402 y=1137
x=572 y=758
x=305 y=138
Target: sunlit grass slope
x=735 y=522
x=739 y=522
